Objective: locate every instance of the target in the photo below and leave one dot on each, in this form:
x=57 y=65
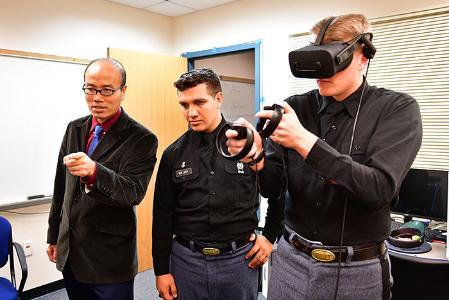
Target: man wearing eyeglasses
x=104 y=166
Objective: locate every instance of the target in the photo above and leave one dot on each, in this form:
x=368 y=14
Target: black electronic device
x=423 y=194
x=242 y=133
x=432 y=235
x=320 y=60
x=265 y=127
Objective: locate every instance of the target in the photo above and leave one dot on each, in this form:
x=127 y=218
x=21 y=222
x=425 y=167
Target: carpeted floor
x=144 y=289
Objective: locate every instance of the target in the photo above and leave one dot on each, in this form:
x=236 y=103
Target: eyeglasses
x=103 y=92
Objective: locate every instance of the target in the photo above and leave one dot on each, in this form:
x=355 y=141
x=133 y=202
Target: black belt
x=330 y=253
x=213 y=248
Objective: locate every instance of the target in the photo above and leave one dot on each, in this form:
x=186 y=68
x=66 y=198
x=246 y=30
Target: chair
x=8 y=288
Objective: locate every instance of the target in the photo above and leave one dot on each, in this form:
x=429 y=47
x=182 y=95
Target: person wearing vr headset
x=341 y=152
x=205 y=207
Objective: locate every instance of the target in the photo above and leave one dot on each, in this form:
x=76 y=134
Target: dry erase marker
x=35 y=197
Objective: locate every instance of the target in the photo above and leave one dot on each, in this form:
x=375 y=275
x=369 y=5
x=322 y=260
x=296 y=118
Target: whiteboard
x=238 y=101
x=39 y=98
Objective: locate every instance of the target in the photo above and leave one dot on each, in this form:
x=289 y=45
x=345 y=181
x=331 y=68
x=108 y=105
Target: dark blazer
x=98 y=228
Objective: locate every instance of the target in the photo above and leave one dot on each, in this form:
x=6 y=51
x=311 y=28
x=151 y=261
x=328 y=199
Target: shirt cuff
x=90 y=180
x=322 y=156
x=269 y=235
x=161 y=265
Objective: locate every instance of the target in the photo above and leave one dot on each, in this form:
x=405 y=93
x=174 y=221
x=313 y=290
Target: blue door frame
x=192 y=56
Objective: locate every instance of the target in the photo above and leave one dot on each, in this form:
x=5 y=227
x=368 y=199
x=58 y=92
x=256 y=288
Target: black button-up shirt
x=386 y=140
x=202 y=196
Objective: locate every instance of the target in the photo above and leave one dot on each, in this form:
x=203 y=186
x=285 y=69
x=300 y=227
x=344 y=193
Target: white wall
x=75 y=28
x=81 y=28
x=273 y=22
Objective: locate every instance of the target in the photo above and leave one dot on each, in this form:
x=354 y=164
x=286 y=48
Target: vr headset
x=324 y=61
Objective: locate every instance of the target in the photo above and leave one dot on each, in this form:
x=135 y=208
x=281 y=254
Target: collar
x=200 y=138
x=350 y=103
x=108 y=124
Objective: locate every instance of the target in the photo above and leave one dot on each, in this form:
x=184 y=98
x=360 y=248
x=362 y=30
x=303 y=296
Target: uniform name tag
x=183 y=172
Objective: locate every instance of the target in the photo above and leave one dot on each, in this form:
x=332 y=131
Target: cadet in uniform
x=346 y=148
x=205 y=207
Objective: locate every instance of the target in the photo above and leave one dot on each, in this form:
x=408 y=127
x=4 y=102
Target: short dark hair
x=118 y=65
x=198 y=76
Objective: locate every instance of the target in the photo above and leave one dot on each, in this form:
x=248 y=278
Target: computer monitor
x=424 y=193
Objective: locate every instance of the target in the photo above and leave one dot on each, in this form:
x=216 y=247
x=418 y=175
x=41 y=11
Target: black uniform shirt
x=201 y=196
x=387 y=138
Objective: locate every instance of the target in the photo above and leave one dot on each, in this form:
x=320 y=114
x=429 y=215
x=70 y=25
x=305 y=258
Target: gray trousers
x=225 y=276
x=295 y=275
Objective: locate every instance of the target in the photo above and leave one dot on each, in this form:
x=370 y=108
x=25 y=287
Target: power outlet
x=27 y=247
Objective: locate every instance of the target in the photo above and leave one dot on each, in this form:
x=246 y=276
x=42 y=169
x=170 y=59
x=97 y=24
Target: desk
x=420 y=276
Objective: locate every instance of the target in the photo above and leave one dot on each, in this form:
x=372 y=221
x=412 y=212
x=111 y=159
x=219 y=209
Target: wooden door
x=151 y=100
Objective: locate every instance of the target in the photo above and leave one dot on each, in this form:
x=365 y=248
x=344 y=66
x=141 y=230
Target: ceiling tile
x=173 y=8
x=201 y=4
x=138 y=3
x=169 y=9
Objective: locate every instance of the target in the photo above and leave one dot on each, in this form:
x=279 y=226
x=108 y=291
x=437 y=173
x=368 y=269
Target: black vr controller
x=265 y=127
x=242 y=133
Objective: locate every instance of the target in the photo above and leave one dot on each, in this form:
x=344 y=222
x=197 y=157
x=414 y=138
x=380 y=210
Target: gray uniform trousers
x=225 y=276
x=296 y=275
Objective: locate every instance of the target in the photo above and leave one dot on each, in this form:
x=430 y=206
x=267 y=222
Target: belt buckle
x=210 y=251
x=323 y=255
